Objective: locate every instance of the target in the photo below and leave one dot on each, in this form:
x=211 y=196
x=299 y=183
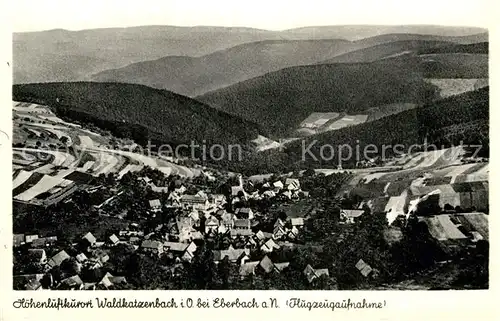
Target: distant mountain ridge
x=195 y=76
x=35 y=53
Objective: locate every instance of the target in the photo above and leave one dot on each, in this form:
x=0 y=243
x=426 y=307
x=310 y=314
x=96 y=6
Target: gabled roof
x=73 y=281
x=193 y=199
x=155 y=203
x=292 y=181
x=320 y=272
x=242 y=223
x=57 y=259
x=236 y=189
x=363 y=268
x=243 y=210
x=212 y=221
x=278 y=184
x=298 y=221
x=309 y=273
x=266 y=264
x=248 y=268
x=227 y=217
x=81 y=257
x=271 y=245
x=114 y=239
x=279 y=222
x=18 y=239
x=232 y=254
x=352 y=213
x=241 y=232
x=89 y=237
x=176 y=246
x=151 y=244
x=263 y=235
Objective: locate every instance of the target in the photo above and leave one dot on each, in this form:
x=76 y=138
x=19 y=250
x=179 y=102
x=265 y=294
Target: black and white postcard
x=171 y=154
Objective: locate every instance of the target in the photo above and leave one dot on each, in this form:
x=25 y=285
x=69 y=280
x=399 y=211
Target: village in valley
x=89 y=218
x=328 y=157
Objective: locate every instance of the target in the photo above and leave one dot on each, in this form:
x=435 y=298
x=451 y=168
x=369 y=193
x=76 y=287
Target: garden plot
x=368 y=178
x=458 y=170
x=316 y=120
x=44 y=185
x=35 y=132
x=348 y=120
x=60 y=158
x=430 y=158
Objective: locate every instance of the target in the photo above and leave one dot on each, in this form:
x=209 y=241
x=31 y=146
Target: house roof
x=352 y=213
x=89 y=237
x=298 y=221
x=266 y=264
x=289 y=181
x=248 y=268
x=33 y=285
x=309 y=273
x=232 y=254
x=18 y=238
x=279 y=222
x=263 y=235
x=227 y=217
x=281 y=266
x=151 y=244
x=320 y=272
x=236 y=189
x=193 y=199
x=363 y=268
x=57 y=259
x=37 y=253
x=72 y=281
x=194 y=215
x=81 y=257
x=155 y=203
x=114 y=239
x=176 y=246
x=278 y=184
x=271 y=244
x=269 y=193
x=212 y=221
x=106 y=280
x=241 y=233
x=43 y=241
x=241 y=222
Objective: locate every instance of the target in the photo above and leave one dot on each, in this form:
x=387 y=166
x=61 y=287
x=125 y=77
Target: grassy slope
x=159 y=114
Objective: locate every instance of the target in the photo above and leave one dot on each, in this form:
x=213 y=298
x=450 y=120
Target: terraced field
x=54 y=149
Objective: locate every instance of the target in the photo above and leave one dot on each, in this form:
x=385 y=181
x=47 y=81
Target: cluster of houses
x=90 y=259
x=199 y=216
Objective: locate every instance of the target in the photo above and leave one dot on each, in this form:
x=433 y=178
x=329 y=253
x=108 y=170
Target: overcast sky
x=33 y=15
